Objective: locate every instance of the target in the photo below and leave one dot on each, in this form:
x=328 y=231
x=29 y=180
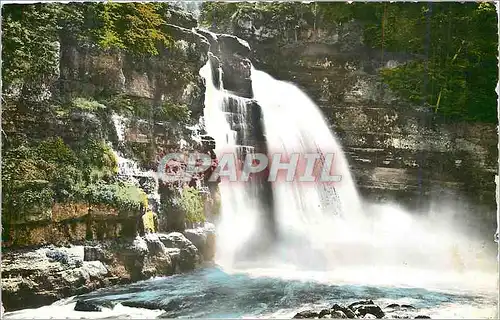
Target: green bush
x=87 y=105
x=123 y=196
x=192 y=204
x=64 y=173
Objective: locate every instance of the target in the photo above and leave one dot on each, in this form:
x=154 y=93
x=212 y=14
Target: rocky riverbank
x=36 y=277
x=365 y=309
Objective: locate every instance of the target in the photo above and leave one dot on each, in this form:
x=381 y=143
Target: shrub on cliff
x=192 y=204
x=123 y=196
x=30 y=34
x=37 y=175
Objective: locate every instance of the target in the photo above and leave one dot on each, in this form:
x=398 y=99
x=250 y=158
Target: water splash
x=351 y=238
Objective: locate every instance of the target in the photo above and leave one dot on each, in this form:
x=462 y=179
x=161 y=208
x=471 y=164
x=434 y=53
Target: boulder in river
x=362 y=308
x=307 y=314
x=87 y=306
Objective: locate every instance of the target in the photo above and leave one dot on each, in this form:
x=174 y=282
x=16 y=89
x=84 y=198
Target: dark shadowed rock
x=308 y=314
x=361 y=308
x=323 y=313
x=233 y=45
x=370 y=309
x=87 y=306
x=337 y=314
x=180 y=18
x=407 y=307
x=346 y=311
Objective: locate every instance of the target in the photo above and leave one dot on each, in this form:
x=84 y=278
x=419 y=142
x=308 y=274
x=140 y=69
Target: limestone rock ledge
x=33 y=278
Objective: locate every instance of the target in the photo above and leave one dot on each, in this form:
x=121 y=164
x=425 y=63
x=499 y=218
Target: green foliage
x=192 y=204
x=30 y=34
x=34 y=176
x=144 y=109
x=456 y=44
x=173 y=112
x=126 y=197
x=133 y=26
x=87 y=105
x=29 y=47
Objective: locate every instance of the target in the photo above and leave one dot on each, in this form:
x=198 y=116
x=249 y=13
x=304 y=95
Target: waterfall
x=293 y=124
x=310 y=225
x=239 y=210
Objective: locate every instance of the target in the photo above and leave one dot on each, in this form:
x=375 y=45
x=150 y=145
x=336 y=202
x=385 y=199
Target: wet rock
x=184 y=254
x=361 y=308
x=337 y=314
x=323 y=313
x=150 y=305
x=180 y=18
x=346 y=311
x=203 y=239
x=308 y=314
x=87 y=306
x=407 y=307
x=233 y=45
x=94 y=253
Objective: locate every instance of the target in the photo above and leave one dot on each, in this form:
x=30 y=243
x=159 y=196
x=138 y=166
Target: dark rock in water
x=372 y=309
x=174 y=304
x=150 y=305
x=337 y=314
x=407 y=306
x=422 y=317
x=324 y=312
x=355 y=305
x=361 y=308
x=308 y=314
x=87 y=306
x=346 y=311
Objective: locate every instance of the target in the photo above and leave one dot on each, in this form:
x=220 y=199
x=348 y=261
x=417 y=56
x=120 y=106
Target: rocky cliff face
x=397 y=151
x=124 y=91
x=76 y=246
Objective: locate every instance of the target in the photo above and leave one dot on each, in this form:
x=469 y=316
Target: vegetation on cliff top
x=454 y=44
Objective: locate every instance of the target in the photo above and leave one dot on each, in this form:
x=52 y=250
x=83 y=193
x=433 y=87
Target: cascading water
x=353 y=241
x=235 y=197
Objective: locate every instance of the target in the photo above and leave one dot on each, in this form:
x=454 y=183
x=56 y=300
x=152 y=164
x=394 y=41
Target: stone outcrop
x=365 y=309
x=71 y=223
x=32 y=278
